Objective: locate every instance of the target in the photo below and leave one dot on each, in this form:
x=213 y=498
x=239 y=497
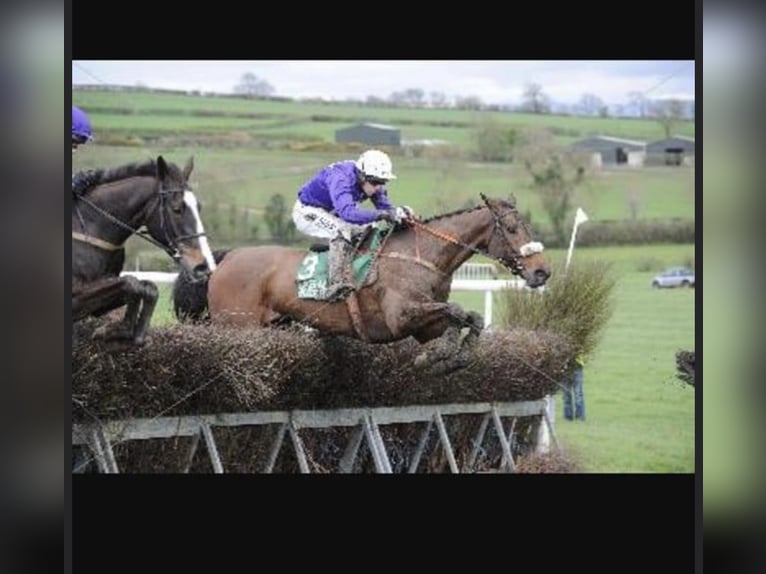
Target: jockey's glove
x=389 y=215
x=404 y=212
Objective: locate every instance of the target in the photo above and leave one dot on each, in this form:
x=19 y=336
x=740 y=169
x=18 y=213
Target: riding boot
x=340 y=281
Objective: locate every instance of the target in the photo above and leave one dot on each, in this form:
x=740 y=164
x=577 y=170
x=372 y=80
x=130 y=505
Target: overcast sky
x=493 y=81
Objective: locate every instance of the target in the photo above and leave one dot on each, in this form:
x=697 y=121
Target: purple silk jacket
x=335 y=189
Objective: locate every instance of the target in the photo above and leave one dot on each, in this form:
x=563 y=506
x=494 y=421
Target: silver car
x=674 y=277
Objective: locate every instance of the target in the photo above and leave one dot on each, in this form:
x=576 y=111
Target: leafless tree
x=411 y=97
x=438 y=99
x=468 y=103
x=252 y=86
x=638 y=102
x=534 y=100
x=591 y=104
x=668 y=113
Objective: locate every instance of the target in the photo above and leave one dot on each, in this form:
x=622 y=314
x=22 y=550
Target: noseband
x=514 y=262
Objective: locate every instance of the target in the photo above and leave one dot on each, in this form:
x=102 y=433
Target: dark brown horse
x=121 y=202
x=414 y=267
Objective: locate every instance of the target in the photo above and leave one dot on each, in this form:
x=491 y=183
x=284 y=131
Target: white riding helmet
x=375 y=163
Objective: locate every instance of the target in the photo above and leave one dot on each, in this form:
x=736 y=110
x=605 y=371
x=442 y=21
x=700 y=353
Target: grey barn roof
x=594 y=142
x=372 y=125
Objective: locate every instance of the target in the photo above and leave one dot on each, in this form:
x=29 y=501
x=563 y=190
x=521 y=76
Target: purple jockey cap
x=81 y=124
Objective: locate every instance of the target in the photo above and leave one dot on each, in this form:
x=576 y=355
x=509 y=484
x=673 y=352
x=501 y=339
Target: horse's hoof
x=107 y=333
x=476 y=321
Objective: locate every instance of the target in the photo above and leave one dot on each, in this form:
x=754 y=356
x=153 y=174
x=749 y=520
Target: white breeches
x=316 y=222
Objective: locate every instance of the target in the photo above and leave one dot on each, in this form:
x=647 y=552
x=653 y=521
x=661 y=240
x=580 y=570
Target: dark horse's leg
x=447 y=330
x=140 y=296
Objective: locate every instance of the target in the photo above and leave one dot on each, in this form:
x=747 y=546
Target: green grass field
x=122 y=111
x=640 y=417
x=249 y=177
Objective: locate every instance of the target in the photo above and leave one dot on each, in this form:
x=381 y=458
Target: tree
x=278 y=221
x=494 y=142
x=438 y=99
x=534 y=100
x=252 y=86
x=668 y=113
x=591 y=105
x=638 y=103
x=554 y=178
x=411 y=97
x=468 y=103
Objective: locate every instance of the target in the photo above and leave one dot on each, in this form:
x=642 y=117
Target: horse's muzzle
x=538 y=277
x=200 y=272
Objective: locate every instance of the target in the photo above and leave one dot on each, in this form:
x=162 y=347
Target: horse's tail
x=190 y=296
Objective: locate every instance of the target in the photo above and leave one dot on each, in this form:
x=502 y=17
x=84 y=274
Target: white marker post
x=580 y=217
x=543 y=436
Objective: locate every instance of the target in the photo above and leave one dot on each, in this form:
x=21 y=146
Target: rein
x=171 y=248
x=514 y=264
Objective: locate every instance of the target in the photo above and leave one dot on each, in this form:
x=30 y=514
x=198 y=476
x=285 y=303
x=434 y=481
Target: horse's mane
x=503 y=203
x=135 y=169
x=451 y=213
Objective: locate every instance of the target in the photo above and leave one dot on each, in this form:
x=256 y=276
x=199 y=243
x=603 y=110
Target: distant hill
x=134 y=114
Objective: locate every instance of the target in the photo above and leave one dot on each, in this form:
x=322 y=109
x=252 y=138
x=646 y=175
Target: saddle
x=312 y=274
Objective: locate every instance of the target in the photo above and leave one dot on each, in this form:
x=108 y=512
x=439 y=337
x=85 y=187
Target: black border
x=68 y=506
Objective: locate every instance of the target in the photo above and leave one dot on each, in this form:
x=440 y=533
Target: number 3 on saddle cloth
x=313 y=270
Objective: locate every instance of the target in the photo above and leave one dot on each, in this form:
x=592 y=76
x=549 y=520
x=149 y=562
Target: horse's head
x=176 y=223
x=511 y=243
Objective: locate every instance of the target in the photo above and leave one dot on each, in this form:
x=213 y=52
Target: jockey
x=327 y=208
x=81 y=134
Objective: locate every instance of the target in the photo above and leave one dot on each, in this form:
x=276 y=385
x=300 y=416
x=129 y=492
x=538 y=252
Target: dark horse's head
x=176 y=222
x=154 y=195
x=511 y=243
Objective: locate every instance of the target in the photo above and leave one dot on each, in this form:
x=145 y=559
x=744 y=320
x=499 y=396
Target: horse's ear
x=162 y=167
x=188 y=167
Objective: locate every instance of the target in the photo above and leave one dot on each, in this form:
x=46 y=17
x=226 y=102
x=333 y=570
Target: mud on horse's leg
x=448 y=332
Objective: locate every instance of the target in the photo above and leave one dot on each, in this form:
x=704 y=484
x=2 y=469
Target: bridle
x=512 y=262
x=171 y=246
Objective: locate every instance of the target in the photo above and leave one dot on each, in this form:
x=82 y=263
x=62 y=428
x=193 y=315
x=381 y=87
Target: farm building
x=674 y=150
x=607 y=150
x=369 y=134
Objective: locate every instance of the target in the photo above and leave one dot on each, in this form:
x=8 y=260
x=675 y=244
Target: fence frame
x=100 y=438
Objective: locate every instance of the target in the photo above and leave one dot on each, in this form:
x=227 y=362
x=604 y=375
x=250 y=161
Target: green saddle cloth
x=313 y=272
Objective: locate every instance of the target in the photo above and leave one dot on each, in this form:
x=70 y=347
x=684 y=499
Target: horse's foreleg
x=149 y=295
x=426 y=321
x=451 y=331
x=111 y=294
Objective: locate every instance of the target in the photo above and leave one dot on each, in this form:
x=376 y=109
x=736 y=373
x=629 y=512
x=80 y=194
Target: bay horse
x=257 y=285
x=119 y=203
